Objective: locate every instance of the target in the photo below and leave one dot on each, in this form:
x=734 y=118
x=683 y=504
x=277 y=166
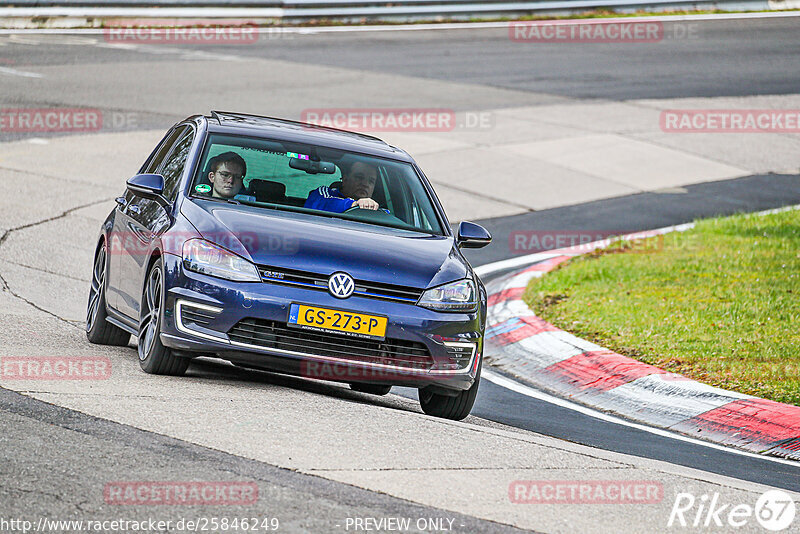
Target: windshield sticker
x=296 y=155
x=203 y=188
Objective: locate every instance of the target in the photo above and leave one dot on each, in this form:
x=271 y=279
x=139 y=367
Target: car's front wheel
x=98 y=330
x=450 y=407
x=154 y=357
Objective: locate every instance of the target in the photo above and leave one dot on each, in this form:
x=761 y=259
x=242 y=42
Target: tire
x=372 y=389
x=98 y=330
x=457 y=407
x=154 y=357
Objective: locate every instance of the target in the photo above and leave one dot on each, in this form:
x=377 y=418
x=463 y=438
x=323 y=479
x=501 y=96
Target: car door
x=134 y=224
x=119 y=235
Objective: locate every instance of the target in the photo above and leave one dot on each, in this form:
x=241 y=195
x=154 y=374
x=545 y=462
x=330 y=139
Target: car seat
x=268 y=191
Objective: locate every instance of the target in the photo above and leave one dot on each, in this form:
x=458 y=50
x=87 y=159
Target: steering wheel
x=357 y=207
x=377 y=215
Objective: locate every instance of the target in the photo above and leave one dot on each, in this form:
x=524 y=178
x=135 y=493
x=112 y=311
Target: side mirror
x=471 y=235
x=148 y=186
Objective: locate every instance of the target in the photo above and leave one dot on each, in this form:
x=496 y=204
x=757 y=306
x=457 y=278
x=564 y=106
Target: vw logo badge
x=341 y=285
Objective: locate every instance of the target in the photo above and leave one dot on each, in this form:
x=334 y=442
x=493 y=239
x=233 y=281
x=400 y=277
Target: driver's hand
x=366 y=204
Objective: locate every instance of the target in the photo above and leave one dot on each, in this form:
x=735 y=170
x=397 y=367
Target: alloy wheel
x=97 y=287
x=151 y=313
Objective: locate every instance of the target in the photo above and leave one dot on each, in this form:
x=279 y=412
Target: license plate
x=337 y=321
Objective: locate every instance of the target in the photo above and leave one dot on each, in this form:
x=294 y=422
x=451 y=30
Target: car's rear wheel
x=98 y=330
x=372 y=389
x=450 y=407
x=154 y=357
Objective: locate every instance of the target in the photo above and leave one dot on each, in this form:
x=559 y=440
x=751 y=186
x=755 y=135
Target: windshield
x=316 y=180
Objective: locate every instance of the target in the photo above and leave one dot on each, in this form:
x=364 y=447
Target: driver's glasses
x=229 y=175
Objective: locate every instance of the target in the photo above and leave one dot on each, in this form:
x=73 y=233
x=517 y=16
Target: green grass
x=719 y=303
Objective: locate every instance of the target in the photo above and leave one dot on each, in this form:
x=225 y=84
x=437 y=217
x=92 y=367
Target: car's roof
x=288 y=130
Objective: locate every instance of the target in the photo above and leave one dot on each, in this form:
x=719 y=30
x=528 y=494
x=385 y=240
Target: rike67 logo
x=774 y=511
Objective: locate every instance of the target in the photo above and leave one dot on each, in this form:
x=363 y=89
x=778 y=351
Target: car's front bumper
x=227 y=303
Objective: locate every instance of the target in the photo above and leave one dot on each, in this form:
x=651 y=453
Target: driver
x=358 y=184
x=226 y=174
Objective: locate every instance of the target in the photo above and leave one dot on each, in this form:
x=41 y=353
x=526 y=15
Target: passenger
x=358 y=184
x=226 y=174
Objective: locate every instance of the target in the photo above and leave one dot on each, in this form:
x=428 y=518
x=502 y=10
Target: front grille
x=363 y=288
x=275 y=335
x=197 y=316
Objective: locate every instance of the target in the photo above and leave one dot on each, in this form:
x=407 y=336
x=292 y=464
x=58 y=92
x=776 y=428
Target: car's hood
x=283 y=239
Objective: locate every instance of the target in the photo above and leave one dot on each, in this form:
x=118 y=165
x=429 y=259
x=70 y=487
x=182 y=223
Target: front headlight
x=455 y=296
x=204 y=257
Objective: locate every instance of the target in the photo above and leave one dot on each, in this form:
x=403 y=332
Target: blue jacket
x=328 y=199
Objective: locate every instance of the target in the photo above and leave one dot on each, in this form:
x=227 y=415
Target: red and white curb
x=524 y=345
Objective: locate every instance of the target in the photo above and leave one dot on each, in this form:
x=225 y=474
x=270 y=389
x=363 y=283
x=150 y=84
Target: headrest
x=267 y=188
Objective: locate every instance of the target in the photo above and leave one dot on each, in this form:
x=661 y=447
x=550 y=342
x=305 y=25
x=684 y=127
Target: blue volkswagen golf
x=292 y=248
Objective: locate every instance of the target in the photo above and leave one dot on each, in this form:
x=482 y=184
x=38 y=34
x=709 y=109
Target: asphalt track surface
x=697 y=59
x=38 y=438
x=639 y=212
x=733 y=58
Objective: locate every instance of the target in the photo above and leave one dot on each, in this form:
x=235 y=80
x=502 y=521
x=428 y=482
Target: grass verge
x=719 y=303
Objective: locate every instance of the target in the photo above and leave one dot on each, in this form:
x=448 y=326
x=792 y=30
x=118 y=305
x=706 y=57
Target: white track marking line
x=188 y=53
x=254 y=13
x=536 y=394
x=24 y=74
